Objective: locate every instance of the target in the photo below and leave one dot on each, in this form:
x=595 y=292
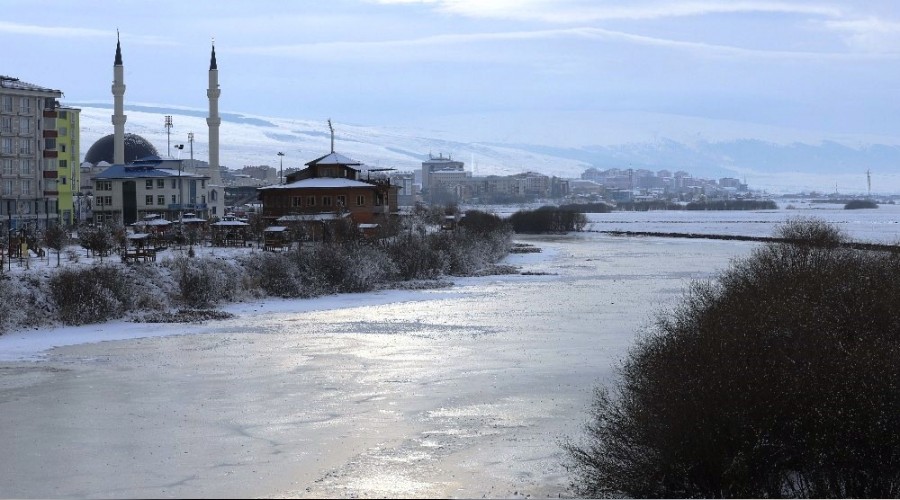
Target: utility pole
x=280 y=167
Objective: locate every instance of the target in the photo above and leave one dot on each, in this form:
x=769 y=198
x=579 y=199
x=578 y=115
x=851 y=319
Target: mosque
x=131 y=181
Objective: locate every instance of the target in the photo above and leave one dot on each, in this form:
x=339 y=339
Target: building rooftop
x=8 y=82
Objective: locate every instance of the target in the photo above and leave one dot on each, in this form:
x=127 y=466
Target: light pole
x=168 y=132
x=280 y=167
x=180 y=148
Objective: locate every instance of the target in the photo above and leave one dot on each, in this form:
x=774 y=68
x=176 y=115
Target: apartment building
x=29 y=185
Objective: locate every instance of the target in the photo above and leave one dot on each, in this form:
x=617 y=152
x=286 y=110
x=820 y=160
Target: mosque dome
x=136 y=147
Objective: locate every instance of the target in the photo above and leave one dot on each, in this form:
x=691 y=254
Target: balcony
x=51 y=154
x=51 y=133
x=50 y=113
x=51 y=174
x=51 y=193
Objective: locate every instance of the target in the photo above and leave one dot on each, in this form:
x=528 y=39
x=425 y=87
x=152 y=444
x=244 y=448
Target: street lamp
x=280 y=167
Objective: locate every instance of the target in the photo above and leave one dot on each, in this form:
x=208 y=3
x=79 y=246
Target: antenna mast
x=332 y=134
x=869 y=179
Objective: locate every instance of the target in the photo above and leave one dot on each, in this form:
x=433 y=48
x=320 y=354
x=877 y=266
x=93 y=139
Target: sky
x=561 y=73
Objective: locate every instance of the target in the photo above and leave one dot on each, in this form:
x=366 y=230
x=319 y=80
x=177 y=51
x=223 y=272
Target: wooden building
x=329 y=188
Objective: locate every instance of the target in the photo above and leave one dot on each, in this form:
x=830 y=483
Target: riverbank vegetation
x=779 y=378
x=417 y=250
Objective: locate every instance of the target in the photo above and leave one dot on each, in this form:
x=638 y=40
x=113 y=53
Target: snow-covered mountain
x=255 y=140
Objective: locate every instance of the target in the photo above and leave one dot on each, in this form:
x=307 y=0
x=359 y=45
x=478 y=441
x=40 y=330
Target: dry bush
x=781 y=378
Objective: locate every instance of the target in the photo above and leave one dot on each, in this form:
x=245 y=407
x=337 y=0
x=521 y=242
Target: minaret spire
x=118 y=61
x=118 y=117
x=212 y=59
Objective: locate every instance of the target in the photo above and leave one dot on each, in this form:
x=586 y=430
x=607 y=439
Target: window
x=342 y=200
x=24 y=105
x=160 y=183
x=104 y=185
x=25 y=125
x=50 y=143
x=148 y=200
x=25 y=187
x=6 y=124
x=25 y=147
x=213 y=195
x=174 y=199
x=295 y=201
x=49 y=163
x=26 y=207
x=62 y=148
x=149 y=184
x=63 y=131
x=326 y=201
x=7 y=104
x=62 y=180
x=63 y=115
x=8 y=187
x=202 y=183
x=310 y=201
x=63 y=164
x=8 y=166
x=161 y=199
x=6 y=145
x=50 y=185
x=174 y=184
x=27 y=165
x=379 y=199
x=360 y=200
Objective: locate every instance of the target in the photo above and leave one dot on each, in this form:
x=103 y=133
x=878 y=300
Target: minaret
x=118 y=117
x=213 y=121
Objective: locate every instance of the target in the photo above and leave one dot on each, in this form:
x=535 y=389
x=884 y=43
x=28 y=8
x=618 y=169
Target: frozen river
x=458 y=392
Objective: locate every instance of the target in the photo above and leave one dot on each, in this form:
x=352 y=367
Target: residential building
x=29 y=195
x=68 y=182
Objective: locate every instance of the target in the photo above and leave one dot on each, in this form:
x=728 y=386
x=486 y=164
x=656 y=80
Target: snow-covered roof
x=230 y=223
x=312 y=217
x=152 y=222
x=275 y=229
x=322 y=183
x=333 y=159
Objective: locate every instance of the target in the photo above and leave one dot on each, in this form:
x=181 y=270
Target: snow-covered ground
x=464 y=391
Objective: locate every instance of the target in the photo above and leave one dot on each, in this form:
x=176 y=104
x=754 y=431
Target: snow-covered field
x=457 y=392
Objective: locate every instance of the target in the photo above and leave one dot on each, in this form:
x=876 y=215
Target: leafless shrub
x=781 y=378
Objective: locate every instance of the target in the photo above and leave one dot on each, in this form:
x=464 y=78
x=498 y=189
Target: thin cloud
x=869 y=34
x=393 y=49
x=74 y=33
x=580 y=12
x=52 y=31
